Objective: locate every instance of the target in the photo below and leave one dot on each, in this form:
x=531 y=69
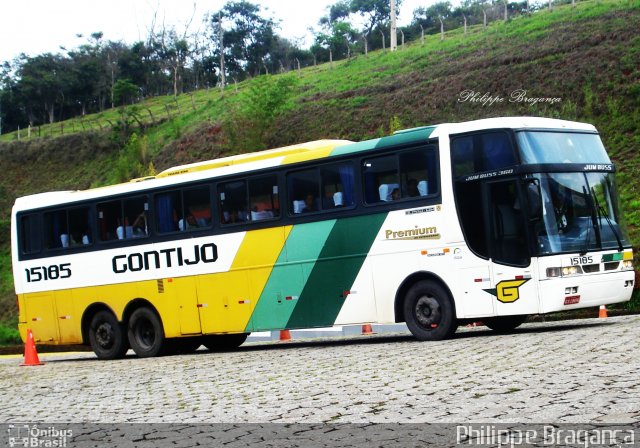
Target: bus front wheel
x=504 y=324
x=107 y=336
x=146 y=334
x=428 y=311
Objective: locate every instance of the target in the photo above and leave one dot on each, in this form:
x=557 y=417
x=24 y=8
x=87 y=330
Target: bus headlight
x=553 y=272
x=627 y=264
x=563 y=272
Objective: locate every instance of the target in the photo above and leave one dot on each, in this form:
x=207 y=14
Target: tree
x=124 y=91
x=247 y=39
x=265 y=100
x=376 y=13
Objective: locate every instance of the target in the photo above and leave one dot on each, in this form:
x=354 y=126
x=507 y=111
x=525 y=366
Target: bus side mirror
x=534 y=198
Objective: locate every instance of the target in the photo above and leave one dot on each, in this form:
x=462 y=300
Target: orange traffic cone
x=30 y=352
x=367 y=329
x=285 y=335
x=602 y=314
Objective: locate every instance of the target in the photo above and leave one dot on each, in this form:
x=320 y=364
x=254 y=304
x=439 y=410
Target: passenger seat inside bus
x=385 y=191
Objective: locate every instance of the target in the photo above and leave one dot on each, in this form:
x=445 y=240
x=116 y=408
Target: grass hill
x=587 y=56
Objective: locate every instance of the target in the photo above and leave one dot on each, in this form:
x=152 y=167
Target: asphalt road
x=563 y=372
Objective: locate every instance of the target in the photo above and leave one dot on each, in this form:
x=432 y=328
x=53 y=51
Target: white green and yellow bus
x=490 y=220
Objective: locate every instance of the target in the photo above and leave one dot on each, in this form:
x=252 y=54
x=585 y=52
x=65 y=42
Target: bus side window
x=135 y=218
x=168 y=211
x=110 y=221
x=418 y=172
x=482 y=152
x=381 y=181
x=29 y=234
x=79 y=227
x=197 y=208
x=338 y=186
x=462 y=156
x=304 y=191
x=232 y=199
x=263 y=198
x=56 y=230
x=497 y=151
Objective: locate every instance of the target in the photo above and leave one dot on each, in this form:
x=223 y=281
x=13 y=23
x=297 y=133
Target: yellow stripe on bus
x=227 y=300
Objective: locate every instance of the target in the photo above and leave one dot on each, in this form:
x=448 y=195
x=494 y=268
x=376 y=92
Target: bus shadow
x=268 y=346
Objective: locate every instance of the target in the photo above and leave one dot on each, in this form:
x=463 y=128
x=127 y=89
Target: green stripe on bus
x=408 y=137
x=335 y=271
x=612 y=257
x=289 y=275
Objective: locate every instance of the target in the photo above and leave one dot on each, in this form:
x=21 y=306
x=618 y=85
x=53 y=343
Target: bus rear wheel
x=428 y=311
x=504 y=324
x=146 y=334
x=224 y=342
x=107 y=336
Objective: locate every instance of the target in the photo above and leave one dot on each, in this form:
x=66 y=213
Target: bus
x=436 y=226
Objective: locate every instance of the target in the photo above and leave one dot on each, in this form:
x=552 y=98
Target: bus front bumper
x=583 y=291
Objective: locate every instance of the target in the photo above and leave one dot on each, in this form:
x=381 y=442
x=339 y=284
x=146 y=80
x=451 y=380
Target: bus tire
x=429 y=312
x=224 y=342
x=504 y=324
x=107 y=336
x=146 y=334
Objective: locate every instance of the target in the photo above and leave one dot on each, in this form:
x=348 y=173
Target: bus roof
x=288 y=155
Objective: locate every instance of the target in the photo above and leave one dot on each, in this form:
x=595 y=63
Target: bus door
x=511 y=268
x=184 y=295
x=41 y=317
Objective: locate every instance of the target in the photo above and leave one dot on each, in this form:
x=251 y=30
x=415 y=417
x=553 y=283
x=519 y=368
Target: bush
x=9 y=335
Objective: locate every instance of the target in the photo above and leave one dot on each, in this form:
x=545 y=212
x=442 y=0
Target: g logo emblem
x=507 y=291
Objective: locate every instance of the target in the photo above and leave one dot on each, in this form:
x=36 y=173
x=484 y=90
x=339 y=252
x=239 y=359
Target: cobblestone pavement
x=562 y=372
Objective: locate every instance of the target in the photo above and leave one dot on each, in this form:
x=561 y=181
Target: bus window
x=67 y=228
x=482 y=152
x=183 y=210
x=56 y=230
x=406 y=175
x=304 y=191
x=119 y=220
x=232 y=197
x=79 y=226
x=381 y=179
x=168 y=211
x=337 y=186
x=110 y=221
x=135 y=217
x=263 y=198
x=29 y=234
x=416 y=168
x=197 y=208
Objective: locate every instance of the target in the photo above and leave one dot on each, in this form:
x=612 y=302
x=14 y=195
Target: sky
x=39 y=26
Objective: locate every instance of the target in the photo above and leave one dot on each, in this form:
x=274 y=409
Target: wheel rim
x=427 y=312
x=105 y=335
x=145 y=334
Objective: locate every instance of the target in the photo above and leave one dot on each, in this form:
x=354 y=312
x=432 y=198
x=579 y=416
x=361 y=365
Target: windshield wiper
x=594 y=223
x=602 y=212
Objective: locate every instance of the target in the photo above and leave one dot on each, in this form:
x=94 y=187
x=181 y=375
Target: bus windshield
x=561 y=147
x=580 y=214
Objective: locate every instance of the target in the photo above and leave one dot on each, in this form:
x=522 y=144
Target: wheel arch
x=411 y=280
x=136 y=304
x=88 y=314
